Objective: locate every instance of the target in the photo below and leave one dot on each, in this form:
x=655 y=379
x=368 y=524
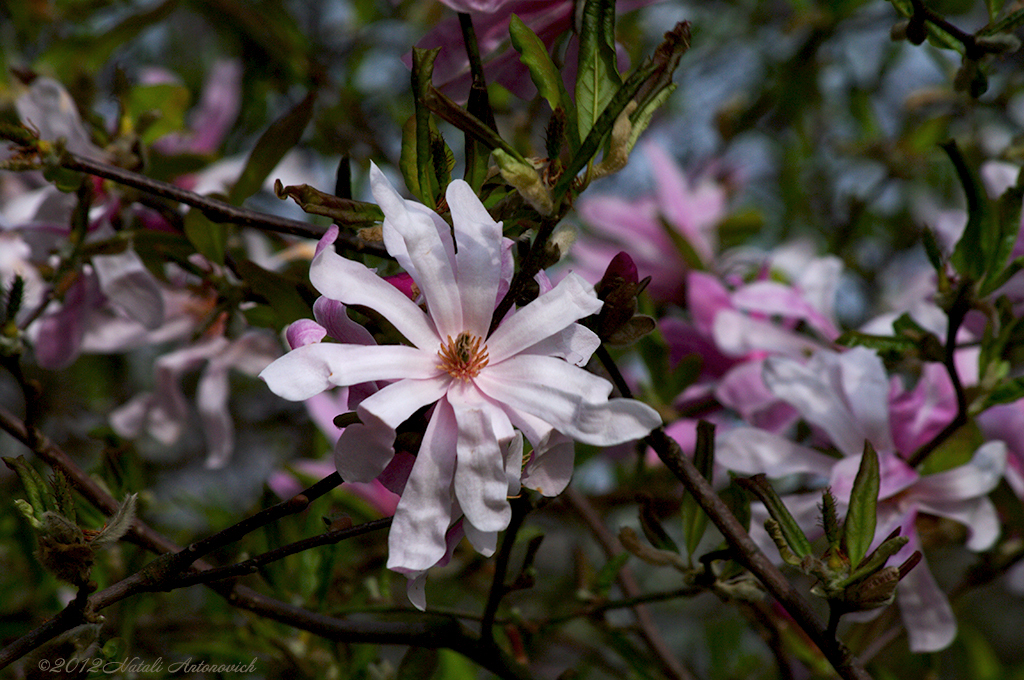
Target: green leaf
x=790 y=531
x=282 y=135
x=597 y=77
x=545 y=75
x=1006 y=25
x=208 y=237
x=608 y=573
x=977 y=247
x=426 y=187
x=157 y=109
x=1006 y=392
x=862 y=516
x=695 y=520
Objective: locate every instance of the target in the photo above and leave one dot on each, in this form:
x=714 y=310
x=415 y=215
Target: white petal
x=977 y=514
x=218 y=428
x=867 y=390
x=549 y=470
x=394 y=403
x=484 y=542
x=924 y=608
x=416 y=590
x=571 y=403
x=736 y=334
x=816 y=391
x=312 y=369
x=352 y=283
x=412 y=234
x=478 y=259
x=576 y=344
x=364 y=450
x=417 y=538
x=572 y=299
x=750 y=451
x=976 y=478
x=129 y=285
x=481 y=485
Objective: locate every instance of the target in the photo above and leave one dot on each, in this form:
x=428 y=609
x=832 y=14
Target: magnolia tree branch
x=744 y=549
x=432 y=632
x=216 y=210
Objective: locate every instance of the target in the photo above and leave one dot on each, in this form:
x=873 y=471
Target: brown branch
x=216 y=210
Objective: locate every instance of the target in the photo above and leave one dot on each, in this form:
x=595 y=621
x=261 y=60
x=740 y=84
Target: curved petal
x=572 y=404
x=485 y=542
x=481 y=485
x=750 y=451
x=478 y=260
x=218 y=428
x=417 y=538
x=364 y=451
x=736 y=334
x=816 y=390
x=549 y=469
x=353 y=283
x=336 y=322
x=414 y=238
x=304 y=332
x=977 y=514
x=311 y=369
x=545 y=374
x=576 y=344
x=976 y=478
x=572 y=299
x=125 y=280
x=394 y=403
x=924 y=608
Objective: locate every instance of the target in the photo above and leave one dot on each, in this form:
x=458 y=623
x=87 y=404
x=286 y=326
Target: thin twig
x=669 y=664
x=520 y=508
x=218 y=211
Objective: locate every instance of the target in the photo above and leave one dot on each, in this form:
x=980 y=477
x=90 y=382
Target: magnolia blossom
x=846 y=397
x=652 y=229
x=481 y=385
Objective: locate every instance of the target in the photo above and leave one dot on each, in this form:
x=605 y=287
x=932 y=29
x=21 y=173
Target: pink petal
x=311 y=369
x=352 y=283
x=481 y=486
x=924 y=608
x=478 y=259
x=750 y=451
x=549 y=314
x=304 y=332
x=417 y=538
x=413 y=234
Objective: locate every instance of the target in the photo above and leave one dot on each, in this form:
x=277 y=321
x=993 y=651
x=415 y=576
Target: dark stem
x=216 y=210
x=253 y=564
x=520 y=508
x=956 y=314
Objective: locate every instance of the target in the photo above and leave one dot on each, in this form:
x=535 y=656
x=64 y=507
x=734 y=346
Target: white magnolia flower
x=482 y=385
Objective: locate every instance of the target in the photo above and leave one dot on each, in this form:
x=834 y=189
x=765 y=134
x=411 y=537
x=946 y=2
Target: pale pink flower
x=846 y=398
x=640 y=227
x=482 y=386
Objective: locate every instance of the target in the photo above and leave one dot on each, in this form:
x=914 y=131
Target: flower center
x=463 y=358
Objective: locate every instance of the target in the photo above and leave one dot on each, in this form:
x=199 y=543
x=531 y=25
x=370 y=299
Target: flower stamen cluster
x=464 y=357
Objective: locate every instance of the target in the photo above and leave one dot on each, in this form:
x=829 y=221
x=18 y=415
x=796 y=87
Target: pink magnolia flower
x=481 y=385
x=846 y=397
x=690 y=208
